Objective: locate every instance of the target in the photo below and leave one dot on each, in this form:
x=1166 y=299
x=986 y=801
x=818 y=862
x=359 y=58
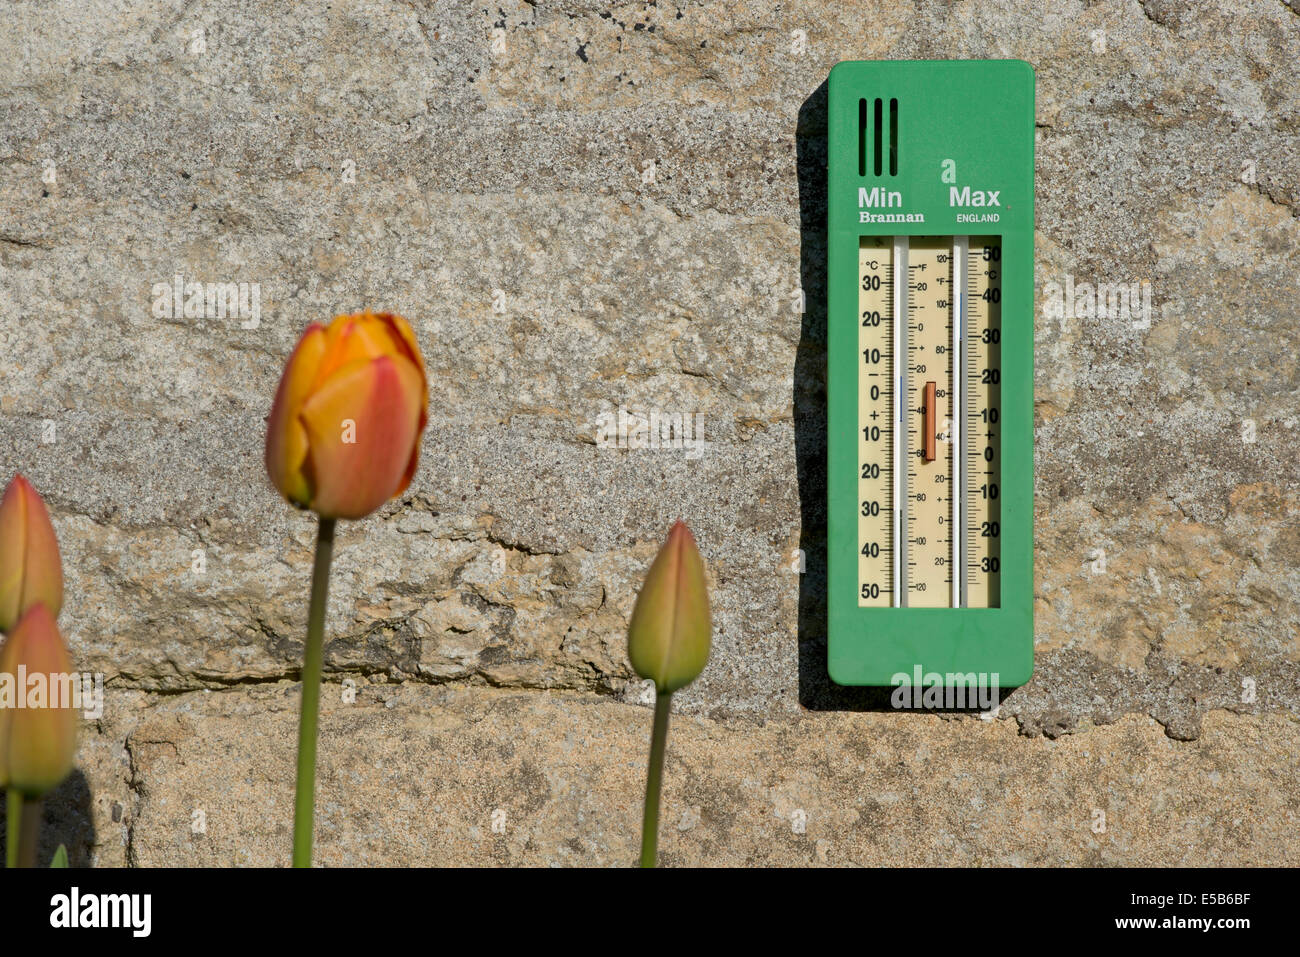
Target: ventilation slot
x=893 y=138
x=879 y=129
x=862 y=137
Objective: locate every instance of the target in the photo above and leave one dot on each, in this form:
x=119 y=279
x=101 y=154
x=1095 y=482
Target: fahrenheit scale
x=930 y=454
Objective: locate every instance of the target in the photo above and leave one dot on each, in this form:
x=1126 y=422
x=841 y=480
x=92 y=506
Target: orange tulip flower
x=344 y=432
x=30 y=570
x=38 y=740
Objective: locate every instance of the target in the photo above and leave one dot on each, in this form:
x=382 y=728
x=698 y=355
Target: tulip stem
x=313 y=661
x=655 y=779
x=29 y=830
x=13 y=815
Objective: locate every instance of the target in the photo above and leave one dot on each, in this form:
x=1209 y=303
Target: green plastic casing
x=978 y=114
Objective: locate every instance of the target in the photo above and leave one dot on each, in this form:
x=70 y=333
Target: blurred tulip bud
x=343 y=436
x=30 y=570
x=38 y=741
x=668 y=637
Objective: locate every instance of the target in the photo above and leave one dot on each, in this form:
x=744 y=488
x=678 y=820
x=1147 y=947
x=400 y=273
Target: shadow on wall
x=816 y=690
x=66 y=820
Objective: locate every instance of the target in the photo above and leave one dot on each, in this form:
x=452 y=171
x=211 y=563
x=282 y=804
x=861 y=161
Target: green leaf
x=60 y=857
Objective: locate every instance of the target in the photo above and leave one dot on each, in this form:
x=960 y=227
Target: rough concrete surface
x=582 y=206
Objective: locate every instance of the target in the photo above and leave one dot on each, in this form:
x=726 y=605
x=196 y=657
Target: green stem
x=654 y=780
x=29 y=831
x=313 y=661
x=14 y=814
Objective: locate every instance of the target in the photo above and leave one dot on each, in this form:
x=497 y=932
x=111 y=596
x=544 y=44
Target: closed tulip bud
x=38 y=740
x=668 y=637
x=30 y=570
x=344 y=432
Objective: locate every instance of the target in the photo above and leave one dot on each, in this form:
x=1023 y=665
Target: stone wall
x=582 y=207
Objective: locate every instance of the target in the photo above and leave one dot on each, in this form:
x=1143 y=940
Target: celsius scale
x=930 y=382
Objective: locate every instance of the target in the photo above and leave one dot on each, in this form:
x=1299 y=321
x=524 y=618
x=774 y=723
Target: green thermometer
x=930 y=382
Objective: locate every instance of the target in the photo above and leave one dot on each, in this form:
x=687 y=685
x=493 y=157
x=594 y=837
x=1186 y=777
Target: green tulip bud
x=668 y=637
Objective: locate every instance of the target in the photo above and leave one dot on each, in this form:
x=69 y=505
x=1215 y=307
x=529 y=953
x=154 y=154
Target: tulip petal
x=30 y=568
x=382 y=401
x=286 y=440
x=402 y=333
x=37 y=744
x=43 y=577
x=350 y=338
x=13 y=548
x=669 y=633
x=8 y=666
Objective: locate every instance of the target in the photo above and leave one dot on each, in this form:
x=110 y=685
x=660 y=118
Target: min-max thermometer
x=930 y=179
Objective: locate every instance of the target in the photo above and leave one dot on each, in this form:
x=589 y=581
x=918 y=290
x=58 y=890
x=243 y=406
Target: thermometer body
x=930 y=372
